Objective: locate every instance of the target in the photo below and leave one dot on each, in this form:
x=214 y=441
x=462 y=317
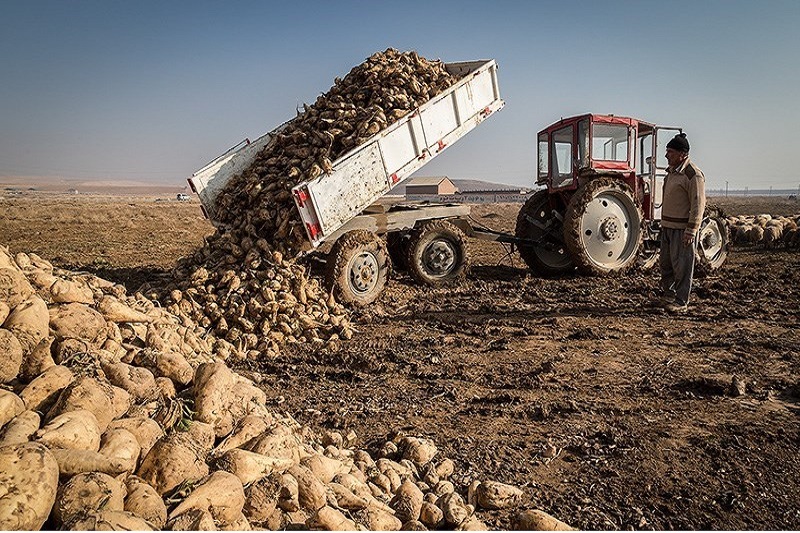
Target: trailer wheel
x=397 y=243
x=603 y=227
x=712 y=243
x=437 y=253
x=536 y=221
x=358 y=266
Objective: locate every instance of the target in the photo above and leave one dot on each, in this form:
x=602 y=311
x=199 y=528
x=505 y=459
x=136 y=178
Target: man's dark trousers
x=677 y=265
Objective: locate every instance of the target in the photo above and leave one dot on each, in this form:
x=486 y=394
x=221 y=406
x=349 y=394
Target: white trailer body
x=369 y=171
x=360 y=177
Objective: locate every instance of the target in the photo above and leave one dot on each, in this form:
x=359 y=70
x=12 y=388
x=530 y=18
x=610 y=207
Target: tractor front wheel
x=712 y=243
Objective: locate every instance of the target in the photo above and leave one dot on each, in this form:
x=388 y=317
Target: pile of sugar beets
x=117 y=413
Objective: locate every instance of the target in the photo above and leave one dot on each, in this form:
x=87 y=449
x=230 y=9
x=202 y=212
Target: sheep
x=796 y=239
x=762 y=220
x=775 y=222
x=755 y=234
x=772 y=235
x=789 y=237
x=739 y=233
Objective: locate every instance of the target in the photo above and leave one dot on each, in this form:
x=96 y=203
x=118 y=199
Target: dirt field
x=609 y=413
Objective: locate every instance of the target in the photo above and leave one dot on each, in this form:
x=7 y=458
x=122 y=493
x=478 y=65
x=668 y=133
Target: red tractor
x=601 y=210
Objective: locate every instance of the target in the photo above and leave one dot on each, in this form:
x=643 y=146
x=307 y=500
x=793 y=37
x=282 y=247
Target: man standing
x=684 y=201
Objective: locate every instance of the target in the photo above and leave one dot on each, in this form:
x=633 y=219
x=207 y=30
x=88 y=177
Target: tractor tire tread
x=702 y=266
x=528 y=253
x=572 y=225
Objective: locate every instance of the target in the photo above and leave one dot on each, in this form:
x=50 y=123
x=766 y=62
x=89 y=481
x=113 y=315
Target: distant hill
x=112 y=187
x=467 y=185
x=89 y=186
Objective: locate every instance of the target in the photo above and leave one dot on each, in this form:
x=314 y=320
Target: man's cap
x=679 y=143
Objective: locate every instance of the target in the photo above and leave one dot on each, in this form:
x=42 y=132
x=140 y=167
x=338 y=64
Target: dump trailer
x=345 y=220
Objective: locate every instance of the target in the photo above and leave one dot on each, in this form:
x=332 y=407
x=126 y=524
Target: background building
x=436 y=185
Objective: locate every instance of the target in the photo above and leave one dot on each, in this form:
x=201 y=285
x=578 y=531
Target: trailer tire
x=358 y=267
x=437 y=253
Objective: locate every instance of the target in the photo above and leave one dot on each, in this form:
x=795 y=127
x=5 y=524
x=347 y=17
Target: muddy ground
x=609 y=413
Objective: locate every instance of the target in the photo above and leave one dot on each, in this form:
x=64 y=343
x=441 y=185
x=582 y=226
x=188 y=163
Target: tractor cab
x=578 y=149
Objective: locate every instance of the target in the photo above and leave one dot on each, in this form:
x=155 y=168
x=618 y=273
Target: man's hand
x=688 y=239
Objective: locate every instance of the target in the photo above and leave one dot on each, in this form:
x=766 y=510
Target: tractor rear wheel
x=602 y=227
x=357 y=268
x=536 y=221
x=436 y=254
x=712 y=243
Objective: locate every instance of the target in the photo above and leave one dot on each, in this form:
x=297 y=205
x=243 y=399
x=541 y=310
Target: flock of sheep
x=767 y=230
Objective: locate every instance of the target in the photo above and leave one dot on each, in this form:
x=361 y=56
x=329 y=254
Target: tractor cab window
x=645 y=160
x=544 y=159
x=609 y=142
x=561 y=157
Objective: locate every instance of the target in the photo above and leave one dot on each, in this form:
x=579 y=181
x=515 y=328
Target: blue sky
x=151 y=90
